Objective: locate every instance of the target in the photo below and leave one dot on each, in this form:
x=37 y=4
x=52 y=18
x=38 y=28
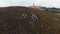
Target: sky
x=46 y=3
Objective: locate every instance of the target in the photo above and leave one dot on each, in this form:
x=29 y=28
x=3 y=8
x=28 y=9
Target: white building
x=34 y=6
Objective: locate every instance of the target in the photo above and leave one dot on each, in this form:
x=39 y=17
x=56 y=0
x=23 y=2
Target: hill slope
x=24 y=20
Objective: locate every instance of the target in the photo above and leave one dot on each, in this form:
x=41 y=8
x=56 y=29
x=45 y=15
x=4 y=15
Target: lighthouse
x=33 y=5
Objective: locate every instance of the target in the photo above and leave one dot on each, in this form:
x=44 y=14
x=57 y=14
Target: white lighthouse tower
x=33 y=5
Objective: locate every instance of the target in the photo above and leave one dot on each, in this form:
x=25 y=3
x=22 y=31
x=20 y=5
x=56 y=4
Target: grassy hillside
x=24 y=20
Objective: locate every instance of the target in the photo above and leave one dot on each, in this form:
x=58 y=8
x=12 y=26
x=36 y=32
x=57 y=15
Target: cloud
x=47 y=3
